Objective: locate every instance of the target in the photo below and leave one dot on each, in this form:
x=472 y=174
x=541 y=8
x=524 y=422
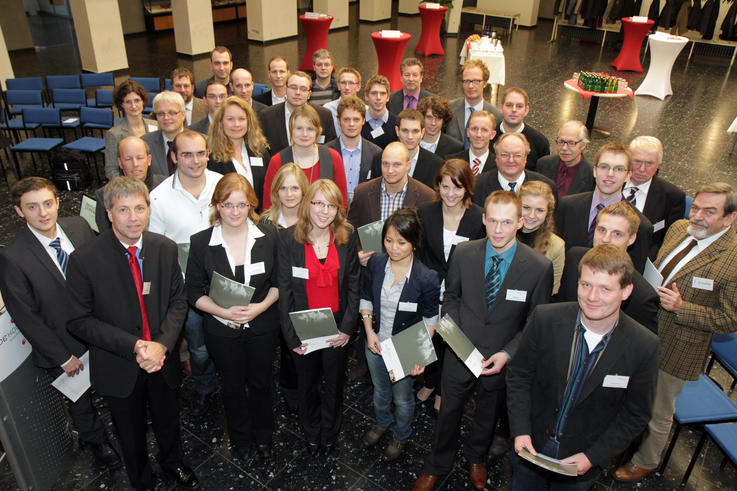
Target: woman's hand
x=339 y=341
x=372 y=341
x=237 y=313
x=417 y=371
x=300 y=350
x=253 y=310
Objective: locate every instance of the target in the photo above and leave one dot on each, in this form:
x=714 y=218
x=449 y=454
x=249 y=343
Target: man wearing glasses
x=215 y=94
x=515 y=107
x=474 y=78
x=169 y=112
x=575 y=215
x=349 y=83
x=570 y=170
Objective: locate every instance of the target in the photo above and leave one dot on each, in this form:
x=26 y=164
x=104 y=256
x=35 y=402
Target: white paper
x=391 y=361
x=616 y=381
x=658 y=226
x=257 y=268
x=315 y=344
x=702 y=283
x=407 y=306
x=69 y=120
x=298 y=272
x=432 y=5
x=312 y=15
x=87 y=211
x=637 y=18
x=386 y=33
x=458 y=239
x=517 y=295
x=377 y=132
x=152 y=127
x=74 y=387
x=257 y=162
x=652 y=275
x=473 y=362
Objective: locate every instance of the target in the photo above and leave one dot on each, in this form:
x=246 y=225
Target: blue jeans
x=527 y=476
x=384 y=391
x=203 y=369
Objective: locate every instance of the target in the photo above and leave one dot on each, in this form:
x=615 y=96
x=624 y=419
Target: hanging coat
x=694 y=18
x=709 y=15
x=729 y=25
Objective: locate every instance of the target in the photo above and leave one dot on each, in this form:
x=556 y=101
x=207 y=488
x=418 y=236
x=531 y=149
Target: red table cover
x=316 y=33
x=573 y=84
x=390 y=52
x=429 y=43
x=634 y=34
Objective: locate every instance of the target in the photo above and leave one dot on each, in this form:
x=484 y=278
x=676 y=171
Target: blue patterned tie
x=493 y=281
x=61 y=255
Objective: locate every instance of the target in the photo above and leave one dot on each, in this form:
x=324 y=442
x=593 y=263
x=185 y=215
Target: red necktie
x=476 y=167
x=138 y=280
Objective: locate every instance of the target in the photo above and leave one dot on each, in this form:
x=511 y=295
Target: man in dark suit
x=480 y=131
x=182 y=82
x=617 y=225
x=33 y=283
x=660 y=201
x=132 y=325
x=215 y=94
x=241 y=84
x=514 y=279
x=570 y=171
x=575 y=214
x=581 y=385
x=169 y=112
x=221 y=63
x=380 y=125
x=511 y=152
x=275 y=119
x=411 y=93
x=278 y=73
x=358 y=154
x=437 y=114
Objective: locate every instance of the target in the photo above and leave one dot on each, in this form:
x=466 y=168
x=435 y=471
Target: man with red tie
x=480 y=154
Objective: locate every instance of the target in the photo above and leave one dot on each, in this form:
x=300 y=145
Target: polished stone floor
x=692 y=124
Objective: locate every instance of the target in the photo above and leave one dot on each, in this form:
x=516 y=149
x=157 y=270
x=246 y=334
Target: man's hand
x=670 y=299
x=495 y=363
x=301 y=349
x=363 y=257
x=150 y=355
x=582 y=462
x=73 y=367
x=524 y=441
x=339 y=341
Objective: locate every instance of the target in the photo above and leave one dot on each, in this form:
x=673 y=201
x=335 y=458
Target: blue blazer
x=422 y=289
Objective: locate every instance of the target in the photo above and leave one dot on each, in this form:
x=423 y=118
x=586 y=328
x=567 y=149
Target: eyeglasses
x=475 y=81
x=322 y=205
x=617 y=170
x=229 y=206
x=567 y=143
x=511 y=156
x=201 y=155
x=219 y=97
x=163 y=114
x=132 y=102
x=298 y=88
x=347 y=82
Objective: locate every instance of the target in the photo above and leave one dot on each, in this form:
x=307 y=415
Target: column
x=15 y=26
x=271 y=19
x=193 y=27
x=373 y=10
x=99 y=35
x=454 y=17
x=409 y=7
x=337 y=8
x=6 y=69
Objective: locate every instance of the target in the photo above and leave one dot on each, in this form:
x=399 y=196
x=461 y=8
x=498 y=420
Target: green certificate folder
x=314 y=327
x=370 y=235
x=227 y=293
x=183 y=251
x=406 y=349
x=460 y=344
x=87 y=211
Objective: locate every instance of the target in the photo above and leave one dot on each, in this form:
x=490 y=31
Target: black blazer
x=369 y=151
x=447 y=145
x=582 y=182
x=205 y=259
x=264 y=98
x=422 y=289
x=396 y=100
x=489 y=163
x=293 y=291
x=106 y=313
x=427 y=166
x=572 y=225
x=259 y=171
x=431 y=251
x=273 y=124
x=34 y=291
x=500 y=328
x=488 y=182
x=642 y=305
x=604 y=420
x=665 y=203
x=389 y=135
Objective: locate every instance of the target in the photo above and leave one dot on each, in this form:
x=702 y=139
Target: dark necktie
x=138 y=280
x=61 y=255
x=411 y=102
x=592 y=227
x=631 y=197
x=668 y=269
x=560 y=182
x=467 y=143
x=169 y=161
x=493 y=281
x=476 y=168
x=512 y=185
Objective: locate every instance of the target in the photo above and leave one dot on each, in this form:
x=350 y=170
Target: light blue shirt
x=351 y=164
x=506 y=256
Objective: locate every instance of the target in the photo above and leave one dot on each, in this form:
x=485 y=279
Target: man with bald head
x=570 y=170
x=241 y=84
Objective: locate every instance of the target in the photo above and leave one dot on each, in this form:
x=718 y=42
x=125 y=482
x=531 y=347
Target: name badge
x=616 y=381
x=517 y=295
x=303 y=273
x=257 y=162
x=257 y=268
x=408 y=306
x=702 y=283
x=658 y=226
x=321 y=139
x=377 y=132
x=146 y=287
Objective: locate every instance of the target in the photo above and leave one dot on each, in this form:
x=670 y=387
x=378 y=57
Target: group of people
x=537 y=258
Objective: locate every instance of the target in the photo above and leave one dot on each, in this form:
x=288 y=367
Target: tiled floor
x=692 y=125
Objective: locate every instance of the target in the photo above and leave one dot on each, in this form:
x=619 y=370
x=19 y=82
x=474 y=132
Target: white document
x=474 y=361
x=74 y=387
x=257 y=268
x=377 y=132
x=616 y=381
x=312 y=15
x=657 y=226
x=432 y=5
x=517 y=295
x=87 y=211
x=702 y=283
x=298 y=272
x=69 y=120
x=315 y=344
x=391 y=360
x=652 y=275
x=386 y=33
x=256 y=161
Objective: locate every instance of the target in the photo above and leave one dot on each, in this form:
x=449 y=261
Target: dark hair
x=439 y=107
x=460 y=174
x=411 y=115
x=351 y=102
x=28 y=184
x=180 y=72
x=125 y=88
x=407 y=223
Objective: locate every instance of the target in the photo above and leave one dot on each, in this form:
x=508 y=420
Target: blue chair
x=96 y=118
x=151 y=84
x=96 y=80
x=259 y=89
x=90 y=145
x=18 y=99
x=69 y=99
x=46 y=117
x=689 y=202
x=725 y=436
x=26 y=83
x=62 y=82
x=167 y=84
x=149 y=107
x=104 y=98
x=724 y=350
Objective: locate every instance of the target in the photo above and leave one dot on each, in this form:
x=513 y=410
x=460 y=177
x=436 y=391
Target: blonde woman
x=287 y=190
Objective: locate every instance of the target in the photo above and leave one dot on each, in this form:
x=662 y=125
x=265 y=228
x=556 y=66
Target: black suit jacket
x=425 y=169
x=293 y=290
x=106 y=314
x=366 y=205
x=500 y=328
x=489 y=163
x=665 y=204
x=205 y=259
x=447 y=145
x=431 y=252
x=389 y=132
x=369 y=151
x=202 y=126
x=572 y=225
x=273 y=124
x=488 y=182
x=582 y=182
x=34 y=291
x=396 y=100
x=642 y=305
x=604 y=420
x=258 y=171
x=264 y=98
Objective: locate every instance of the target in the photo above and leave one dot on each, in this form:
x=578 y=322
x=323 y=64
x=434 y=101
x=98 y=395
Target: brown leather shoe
x=425 y=482
x=629 y=472
x=478 y=475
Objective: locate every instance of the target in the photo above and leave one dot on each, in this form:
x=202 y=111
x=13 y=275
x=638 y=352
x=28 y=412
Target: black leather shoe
x=241 y=452
x=331 y=450
x=263 y=452
x=183 y=475
x=105 y=454
x=313 y=449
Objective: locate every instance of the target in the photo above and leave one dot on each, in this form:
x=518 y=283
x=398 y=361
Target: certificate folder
x=314 y=327
x=227 y=293
x=460 y=344
x=406 y=349
x=370 y=235
x=549 y=463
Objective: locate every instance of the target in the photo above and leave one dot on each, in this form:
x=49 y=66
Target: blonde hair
x=286 y=170
x=309 y=114
x=339 y=227
x=220 y=145
x=229 y=183
x=541 y=189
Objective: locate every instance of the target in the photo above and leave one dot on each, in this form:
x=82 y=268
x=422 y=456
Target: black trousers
x=458 y=383
x=129 y=415
x=85 y=418
x=321 y=378
x=245 y=366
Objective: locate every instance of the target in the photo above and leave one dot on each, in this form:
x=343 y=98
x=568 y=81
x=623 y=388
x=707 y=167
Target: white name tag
x=257 y=268
x=702 y=283
x=659 y=226
x=257 y=162
x=146 y=287
x=377 y=132
x=408 y=306
x=303 y=273
x=517 y=295
x=616 y=381
x=321 y=139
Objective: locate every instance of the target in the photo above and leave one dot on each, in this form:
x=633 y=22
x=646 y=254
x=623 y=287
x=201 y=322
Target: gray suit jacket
x=113 y=136
x=257 y=106
x=369 y=151
x=201 y=126
x=155 y=143
x=199 y=110
x=396 y=100
x=457 y=126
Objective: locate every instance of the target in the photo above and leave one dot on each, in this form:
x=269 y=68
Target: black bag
x=69 y=170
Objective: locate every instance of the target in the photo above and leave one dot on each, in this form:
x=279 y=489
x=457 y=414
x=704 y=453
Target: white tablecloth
x=494 y=61
x=664 y=49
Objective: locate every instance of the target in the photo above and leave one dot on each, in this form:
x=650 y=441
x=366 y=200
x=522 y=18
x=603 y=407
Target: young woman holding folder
x=318 y=268
x=398 y=292
x=241 y=339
